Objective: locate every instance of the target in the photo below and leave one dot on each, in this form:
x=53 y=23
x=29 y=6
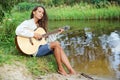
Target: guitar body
x=30 y=46
x=24 y=43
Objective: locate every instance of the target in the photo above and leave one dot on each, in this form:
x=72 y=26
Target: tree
x=6 y=6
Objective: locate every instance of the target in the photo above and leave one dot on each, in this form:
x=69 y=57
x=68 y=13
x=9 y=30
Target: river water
x=93 y=47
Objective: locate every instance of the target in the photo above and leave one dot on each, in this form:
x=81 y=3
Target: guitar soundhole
x=40 y=39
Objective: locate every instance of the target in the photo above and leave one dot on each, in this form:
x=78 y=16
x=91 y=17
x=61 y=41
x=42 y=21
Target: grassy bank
x=83 y=13
x=86 y=12
x=35 y=65
x=42 y=65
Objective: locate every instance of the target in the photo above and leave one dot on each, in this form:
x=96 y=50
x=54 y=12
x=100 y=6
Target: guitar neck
x=49 y=33
x=56 y=31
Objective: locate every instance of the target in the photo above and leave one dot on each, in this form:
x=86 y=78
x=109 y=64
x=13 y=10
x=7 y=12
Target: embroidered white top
x=25 y=28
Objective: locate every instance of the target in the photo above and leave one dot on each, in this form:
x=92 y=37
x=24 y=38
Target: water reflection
x=97 y=53
x=114 y=44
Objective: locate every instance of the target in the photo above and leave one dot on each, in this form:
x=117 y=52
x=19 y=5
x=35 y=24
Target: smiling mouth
x=41 y=16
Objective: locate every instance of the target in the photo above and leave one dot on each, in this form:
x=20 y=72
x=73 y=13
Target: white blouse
x=25 y=28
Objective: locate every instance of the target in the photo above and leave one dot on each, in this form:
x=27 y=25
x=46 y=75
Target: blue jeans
x=44 y=50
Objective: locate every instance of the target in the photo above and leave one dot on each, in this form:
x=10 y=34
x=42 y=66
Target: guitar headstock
x=66 y=28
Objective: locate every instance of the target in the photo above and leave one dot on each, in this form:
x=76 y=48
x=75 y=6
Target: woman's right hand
x=37 y=36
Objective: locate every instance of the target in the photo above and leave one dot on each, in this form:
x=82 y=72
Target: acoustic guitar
x=30 y=45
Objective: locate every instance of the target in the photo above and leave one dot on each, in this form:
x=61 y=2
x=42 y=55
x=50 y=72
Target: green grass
x=36 y=65
x=77 y=11
x=83 y=13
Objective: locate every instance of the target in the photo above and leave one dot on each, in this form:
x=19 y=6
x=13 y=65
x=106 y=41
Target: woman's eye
x=40 y=12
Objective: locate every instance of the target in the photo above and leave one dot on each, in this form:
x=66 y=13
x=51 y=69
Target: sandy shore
x=55 y=76
x=20 y=72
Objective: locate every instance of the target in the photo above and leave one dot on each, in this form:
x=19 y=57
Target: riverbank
x=18 y=71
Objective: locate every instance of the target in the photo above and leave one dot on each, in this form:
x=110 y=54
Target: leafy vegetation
x=86 y=12
x=7 y=5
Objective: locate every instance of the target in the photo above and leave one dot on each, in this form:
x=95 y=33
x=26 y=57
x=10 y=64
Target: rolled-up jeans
x=44 y=50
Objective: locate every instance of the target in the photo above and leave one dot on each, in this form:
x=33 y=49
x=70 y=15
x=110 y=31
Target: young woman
x=39 y=19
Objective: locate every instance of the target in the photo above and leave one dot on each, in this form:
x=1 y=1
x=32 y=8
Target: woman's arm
x=25 y=30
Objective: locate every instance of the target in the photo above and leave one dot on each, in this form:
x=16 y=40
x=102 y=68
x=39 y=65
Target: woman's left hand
x=60 y=30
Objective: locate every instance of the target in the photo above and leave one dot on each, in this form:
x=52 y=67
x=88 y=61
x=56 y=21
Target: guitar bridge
x=31 y=41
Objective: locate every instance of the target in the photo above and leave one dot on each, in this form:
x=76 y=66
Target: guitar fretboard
x=50 y=33
x=52 y=37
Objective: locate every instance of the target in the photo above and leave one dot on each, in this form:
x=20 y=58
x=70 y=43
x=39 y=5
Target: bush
x=100 y=3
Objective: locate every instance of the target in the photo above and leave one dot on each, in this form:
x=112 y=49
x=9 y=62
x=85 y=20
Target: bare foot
x=72 y=72
x=62 y=72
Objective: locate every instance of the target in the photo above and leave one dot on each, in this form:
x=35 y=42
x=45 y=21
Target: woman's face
x=39 y=13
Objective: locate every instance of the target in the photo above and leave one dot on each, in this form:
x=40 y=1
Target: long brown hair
x=42 y=22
